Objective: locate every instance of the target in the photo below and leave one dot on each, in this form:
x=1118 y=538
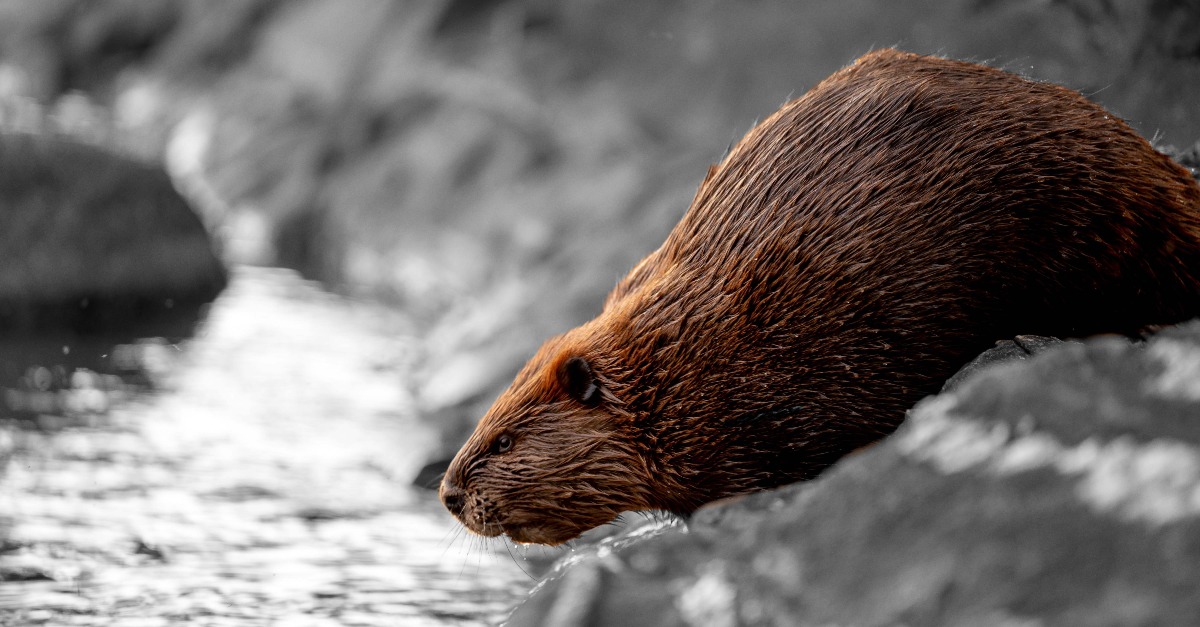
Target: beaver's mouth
x=479 y=526
x=488 y=530
x=551 y=532
x=538 y=535
x=521 y=534
x=545 y=524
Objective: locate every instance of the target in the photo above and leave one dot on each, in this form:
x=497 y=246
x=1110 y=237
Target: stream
x=257 y=473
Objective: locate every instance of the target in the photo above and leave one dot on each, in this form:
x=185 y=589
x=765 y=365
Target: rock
x=430 y=475
x=1189 y=157
x=1062 y=488
x=1021 y=347
x=94 y=239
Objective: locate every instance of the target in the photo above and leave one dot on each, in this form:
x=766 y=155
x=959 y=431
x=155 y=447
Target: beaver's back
x=901 y=165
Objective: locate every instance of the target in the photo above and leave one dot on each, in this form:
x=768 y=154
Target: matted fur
x=845 y=258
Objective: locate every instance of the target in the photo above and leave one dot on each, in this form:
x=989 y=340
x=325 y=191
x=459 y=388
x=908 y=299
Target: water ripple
x=263 y=483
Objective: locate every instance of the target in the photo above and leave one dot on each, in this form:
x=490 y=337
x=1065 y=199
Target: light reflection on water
x=265 y=481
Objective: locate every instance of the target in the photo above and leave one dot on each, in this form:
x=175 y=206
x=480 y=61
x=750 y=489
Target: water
x=257 y=474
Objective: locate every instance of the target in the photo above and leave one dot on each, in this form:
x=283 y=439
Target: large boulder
x=1057 y=489
x=94 y=240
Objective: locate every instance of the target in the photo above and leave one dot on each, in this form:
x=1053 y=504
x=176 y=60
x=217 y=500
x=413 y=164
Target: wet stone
x=1019 y=348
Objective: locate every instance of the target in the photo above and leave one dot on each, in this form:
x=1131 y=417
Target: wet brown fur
x=845 y=258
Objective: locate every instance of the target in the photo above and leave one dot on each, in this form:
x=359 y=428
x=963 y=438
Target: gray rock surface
x=1018 y=348
x=1062 y=489
x=91 y=237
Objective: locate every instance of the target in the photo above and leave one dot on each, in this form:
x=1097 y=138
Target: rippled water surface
x=264 y=481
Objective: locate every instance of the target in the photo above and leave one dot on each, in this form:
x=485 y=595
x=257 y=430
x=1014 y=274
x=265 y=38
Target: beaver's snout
x=453 y=497
x=470 y=509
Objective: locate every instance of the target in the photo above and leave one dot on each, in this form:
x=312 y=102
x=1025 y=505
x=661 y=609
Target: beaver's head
x=559 y=453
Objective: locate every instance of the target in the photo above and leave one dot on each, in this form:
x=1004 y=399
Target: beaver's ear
x=577 y=378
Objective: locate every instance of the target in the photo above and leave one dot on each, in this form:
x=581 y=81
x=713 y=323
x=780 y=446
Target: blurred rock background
x=495 y=166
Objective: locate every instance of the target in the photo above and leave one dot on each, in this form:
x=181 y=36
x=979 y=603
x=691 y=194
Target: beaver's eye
x=503 y=444
x=579 y=381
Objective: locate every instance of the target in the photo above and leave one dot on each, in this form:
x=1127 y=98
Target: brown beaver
x=843 y=260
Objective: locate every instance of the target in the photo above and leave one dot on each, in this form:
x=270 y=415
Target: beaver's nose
x=454 y=498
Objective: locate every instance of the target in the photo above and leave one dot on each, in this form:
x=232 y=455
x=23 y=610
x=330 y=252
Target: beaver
x=845 y=258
